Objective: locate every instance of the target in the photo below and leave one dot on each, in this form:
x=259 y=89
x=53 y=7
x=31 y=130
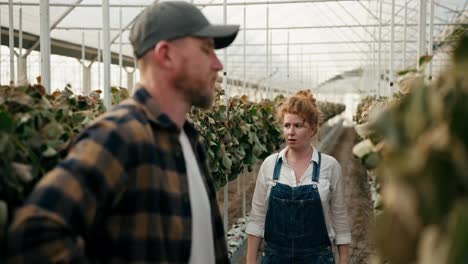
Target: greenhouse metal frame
x=282 y=46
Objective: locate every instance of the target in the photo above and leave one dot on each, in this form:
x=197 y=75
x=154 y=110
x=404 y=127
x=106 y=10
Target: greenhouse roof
x=307 y=40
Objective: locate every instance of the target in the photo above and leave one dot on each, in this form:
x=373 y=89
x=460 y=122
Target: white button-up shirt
x=331 y=189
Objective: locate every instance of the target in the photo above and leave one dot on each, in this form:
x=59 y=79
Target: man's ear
x=161 y=54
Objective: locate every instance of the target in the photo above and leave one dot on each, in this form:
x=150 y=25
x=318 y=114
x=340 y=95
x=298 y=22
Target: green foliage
x=237 y=135
x=424 y=171
x=36 y=131
x=242 y=133
x=330 y=110
x=366 y=104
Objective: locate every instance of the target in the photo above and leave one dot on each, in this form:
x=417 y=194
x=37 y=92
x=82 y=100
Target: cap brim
x=223 y=35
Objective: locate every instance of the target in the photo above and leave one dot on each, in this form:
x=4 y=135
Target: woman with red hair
x=298 y=205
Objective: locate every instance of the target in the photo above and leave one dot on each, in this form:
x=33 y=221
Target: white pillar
x=244 y=54
x=21 y=73
x=86 y=79
x=267 y=48
x=287 y=58
x=84 y=88
x=137 y=70
x=22 y=59
x=22 y=66
x=403 y=64
x=392 y=38
x=226 y=94
x=302 y=69
x=45 y=45
x=270 y=59
x=422 y=31
x=99 y=60
x=106 y=54
x=130 y=80
x=120 y=49
x=379 y=64
x=11 y=39
x=431 y=36
x=0 y=49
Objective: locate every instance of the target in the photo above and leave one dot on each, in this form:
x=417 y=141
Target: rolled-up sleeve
x=256 y=225
x=339 y=212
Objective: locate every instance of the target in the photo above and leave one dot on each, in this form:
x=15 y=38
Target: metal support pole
x=244 y=52
x=21 y=74
x=226 y=187
x=302 y=69
x=85 y=75
x=106 y=53
x=379 y=64
x=99 y=59
x=11 y=39
x=130 y=80
x=392 y=38
x=267 y=46
x=431 y=36
x=120 y=49
x=317 y=76
x=83 y=52
x=54 y=25
x=373 y=90
x=210 y=4
x=422 y=31
x=45 y=45
x=403 y=62
x=270 y=67
x=1 y=49
x=135 y=63
x=287 y=58
x=244 y=174
x=309 y=72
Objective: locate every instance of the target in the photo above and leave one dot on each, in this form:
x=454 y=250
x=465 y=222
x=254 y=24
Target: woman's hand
x=343 y=251
x=252 y=261
x=253 y=243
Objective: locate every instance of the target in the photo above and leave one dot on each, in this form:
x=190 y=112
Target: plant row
x=37 y=130
x=417 y=147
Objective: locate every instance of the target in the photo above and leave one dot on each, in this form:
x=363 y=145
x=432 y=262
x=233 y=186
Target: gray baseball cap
x=175 y=19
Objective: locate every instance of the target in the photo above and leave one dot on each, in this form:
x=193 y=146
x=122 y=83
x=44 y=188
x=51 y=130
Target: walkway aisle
x=357 y=196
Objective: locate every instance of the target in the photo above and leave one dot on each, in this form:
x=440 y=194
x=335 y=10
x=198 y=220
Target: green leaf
x=49 y=152
x=7 y=124
x=424 y=60
x=227 y=163
x=406 y=71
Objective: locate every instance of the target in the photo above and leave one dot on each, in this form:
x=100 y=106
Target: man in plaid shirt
x=135 y=188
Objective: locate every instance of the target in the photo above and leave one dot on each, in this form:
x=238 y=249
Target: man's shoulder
x=127 y=119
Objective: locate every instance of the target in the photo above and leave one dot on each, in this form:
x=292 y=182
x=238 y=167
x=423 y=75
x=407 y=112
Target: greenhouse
x=386 y=79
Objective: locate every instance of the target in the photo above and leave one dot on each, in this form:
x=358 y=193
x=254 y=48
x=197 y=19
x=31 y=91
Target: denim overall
x=295 y=230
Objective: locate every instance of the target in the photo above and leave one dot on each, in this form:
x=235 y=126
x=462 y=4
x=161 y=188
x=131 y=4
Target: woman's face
x=297 y=132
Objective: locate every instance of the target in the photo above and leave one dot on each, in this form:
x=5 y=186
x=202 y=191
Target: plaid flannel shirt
x=120 y=196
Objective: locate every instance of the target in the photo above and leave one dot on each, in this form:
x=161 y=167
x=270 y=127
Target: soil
x=357 y=195
x=235 y=195
x=358 y=198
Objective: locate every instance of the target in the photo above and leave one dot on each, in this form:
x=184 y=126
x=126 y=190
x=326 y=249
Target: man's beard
x=196 y=95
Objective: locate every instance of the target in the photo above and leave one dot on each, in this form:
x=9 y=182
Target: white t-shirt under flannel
x=330 y=186
x=202 y=250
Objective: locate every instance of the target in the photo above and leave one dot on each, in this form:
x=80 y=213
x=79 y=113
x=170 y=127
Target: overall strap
x=276 y=172
x=316 y=174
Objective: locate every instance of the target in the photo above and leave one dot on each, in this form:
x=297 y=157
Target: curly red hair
x=303 y=104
